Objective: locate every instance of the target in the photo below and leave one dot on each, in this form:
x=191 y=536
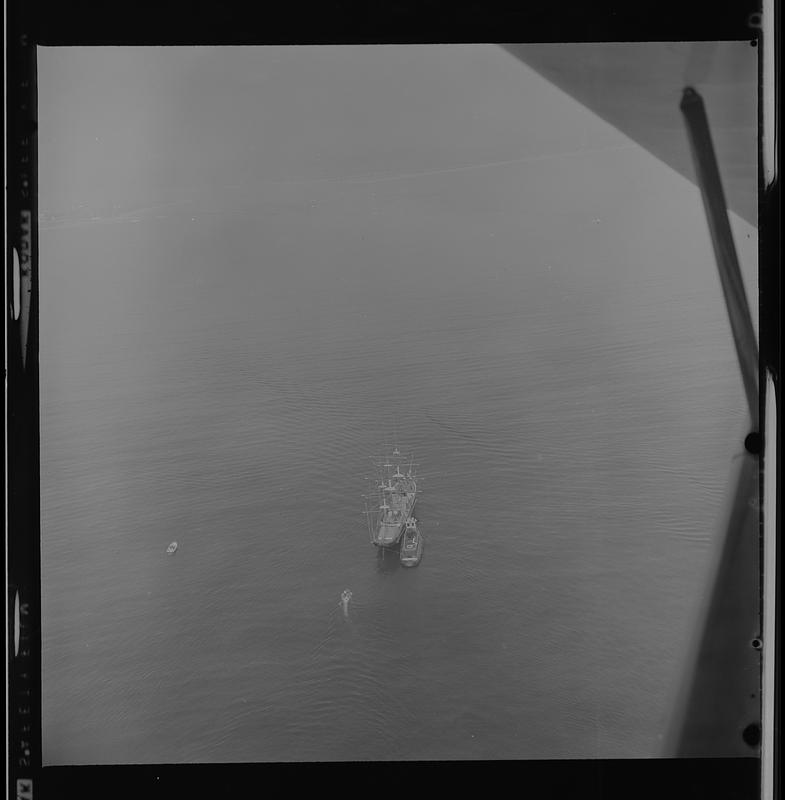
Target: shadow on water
x=388 y=559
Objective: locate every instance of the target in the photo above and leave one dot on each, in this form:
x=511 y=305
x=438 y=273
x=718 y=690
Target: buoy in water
x=172 y=547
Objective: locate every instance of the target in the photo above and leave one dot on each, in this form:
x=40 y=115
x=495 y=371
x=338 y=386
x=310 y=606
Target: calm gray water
x=550 y=338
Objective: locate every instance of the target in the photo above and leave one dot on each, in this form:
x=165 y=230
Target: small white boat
x=172 y=547
x=346 y=596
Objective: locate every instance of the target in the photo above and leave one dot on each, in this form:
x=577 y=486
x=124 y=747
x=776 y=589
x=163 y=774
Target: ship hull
x=391 y=499
x=389 y=533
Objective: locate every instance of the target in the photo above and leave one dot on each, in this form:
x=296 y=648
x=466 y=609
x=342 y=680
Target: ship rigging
x=391 y=498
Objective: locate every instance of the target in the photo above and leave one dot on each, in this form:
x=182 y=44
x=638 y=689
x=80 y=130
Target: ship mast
x=394 y=489
x=368 y=517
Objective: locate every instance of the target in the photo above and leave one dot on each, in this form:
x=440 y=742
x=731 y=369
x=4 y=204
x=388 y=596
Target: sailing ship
x=391 y=498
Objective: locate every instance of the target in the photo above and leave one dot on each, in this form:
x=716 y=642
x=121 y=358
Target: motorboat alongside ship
x=411 y=544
